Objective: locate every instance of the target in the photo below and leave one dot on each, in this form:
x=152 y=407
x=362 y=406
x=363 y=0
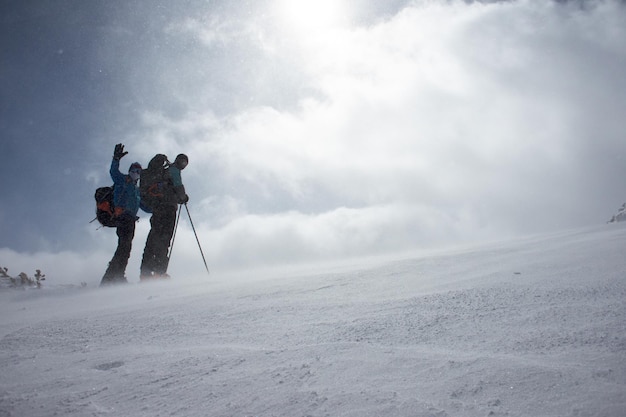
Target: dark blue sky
x=54 y=100
x=69 y=88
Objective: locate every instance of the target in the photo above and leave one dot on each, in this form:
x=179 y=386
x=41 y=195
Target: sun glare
x=309 y=15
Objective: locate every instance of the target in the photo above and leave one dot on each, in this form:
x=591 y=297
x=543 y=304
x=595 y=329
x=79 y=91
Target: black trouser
x=162 y=224
x=117 y=266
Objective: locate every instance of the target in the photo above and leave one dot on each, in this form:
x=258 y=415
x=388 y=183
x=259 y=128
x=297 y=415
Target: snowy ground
x=533 y=327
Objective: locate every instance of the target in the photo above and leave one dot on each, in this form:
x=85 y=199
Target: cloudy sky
x=316 y=130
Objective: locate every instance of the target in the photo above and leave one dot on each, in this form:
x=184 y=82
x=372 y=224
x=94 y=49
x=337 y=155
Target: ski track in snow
x=534 y=327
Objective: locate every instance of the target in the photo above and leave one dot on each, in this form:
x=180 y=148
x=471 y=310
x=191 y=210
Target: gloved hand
x=119 y=153
x=183 y=200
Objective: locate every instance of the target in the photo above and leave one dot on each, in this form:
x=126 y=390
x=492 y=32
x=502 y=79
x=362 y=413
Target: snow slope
x=532 y=327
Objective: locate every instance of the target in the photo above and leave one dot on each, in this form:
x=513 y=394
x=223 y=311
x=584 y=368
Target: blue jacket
x=125 y=192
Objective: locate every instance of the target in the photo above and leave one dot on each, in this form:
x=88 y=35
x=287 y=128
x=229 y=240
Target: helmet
x=136 y=167
x=181 y=161
x=134 y=171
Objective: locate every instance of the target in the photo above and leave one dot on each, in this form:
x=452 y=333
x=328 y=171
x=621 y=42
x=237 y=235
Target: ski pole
x=169 y=255
x=197 y=240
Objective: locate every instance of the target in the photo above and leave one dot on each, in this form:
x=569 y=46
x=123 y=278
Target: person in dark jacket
x=127 y=202
x=163 y=221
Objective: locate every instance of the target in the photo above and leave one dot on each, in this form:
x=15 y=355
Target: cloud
x=435 y=123
x=448 y=120
x=291 y=237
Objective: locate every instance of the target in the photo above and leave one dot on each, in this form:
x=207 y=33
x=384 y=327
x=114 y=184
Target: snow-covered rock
x=620 y=216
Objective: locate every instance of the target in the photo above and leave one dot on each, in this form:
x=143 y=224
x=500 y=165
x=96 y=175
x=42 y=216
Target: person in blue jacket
x=127 y=202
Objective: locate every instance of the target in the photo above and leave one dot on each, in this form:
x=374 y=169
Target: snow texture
x=532 y=327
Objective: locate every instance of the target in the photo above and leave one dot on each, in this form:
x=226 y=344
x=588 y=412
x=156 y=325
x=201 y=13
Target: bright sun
x=312 y=14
